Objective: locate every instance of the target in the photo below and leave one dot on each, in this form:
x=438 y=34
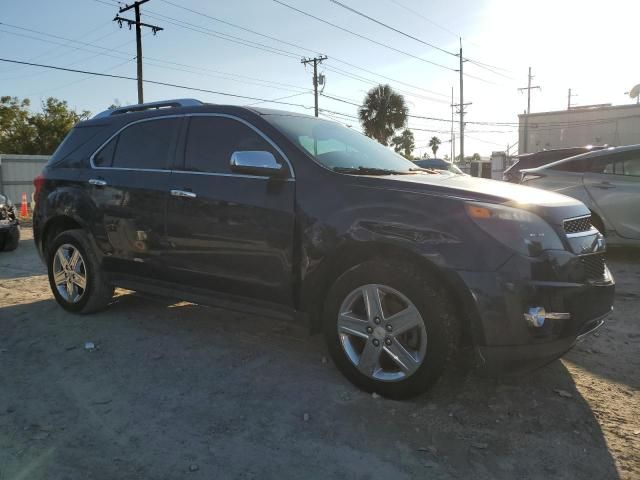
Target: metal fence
x=17 y=173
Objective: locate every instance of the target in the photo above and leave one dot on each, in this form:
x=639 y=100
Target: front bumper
x=522 y=358
x=557 y=282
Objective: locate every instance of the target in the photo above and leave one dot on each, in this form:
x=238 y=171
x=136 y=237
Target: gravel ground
x=176 y=390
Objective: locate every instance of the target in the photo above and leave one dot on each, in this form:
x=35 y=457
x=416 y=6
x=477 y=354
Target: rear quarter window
x=77 y=138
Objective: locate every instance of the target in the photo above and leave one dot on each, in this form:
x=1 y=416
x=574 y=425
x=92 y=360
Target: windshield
x=340 y=148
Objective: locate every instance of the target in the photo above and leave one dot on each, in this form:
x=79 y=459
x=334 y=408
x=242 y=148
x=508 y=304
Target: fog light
x=535 y=316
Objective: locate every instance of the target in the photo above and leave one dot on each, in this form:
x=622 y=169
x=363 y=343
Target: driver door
x=614 y=186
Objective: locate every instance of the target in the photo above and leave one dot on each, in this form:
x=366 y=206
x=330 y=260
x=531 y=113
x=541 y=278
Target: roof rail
x=180 y=102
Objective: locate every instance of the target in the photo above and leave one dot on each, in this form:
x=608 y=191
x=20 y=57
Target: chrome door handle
x=183 y=194
x=97 y=182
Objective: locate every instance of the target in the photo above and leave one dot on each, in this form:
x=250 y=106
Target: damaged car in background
x=9 y=225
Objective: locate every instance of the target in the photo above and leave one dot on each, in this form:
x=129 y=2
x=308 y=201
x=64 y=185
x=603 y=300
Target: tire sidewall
x=77 y=240
x=427 y=298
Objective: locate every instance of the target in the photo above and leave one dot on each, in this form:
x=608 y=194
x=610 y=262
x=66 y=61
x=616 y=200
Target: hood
x=554 y=207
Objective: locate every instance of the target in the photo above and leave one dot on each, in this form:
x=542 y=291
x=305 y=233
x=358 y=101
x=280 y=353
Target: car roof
x=555 y=151
x=177 y=107
x=592 y=154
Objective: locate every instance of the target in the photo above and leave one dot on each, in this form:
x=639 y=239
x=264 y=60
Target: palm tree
x=404 y=143
x=434 y=143
x=382 y=113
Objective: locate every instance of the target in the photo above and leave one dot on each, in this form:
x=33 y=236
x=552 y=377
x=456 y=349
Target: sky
x=588 y=46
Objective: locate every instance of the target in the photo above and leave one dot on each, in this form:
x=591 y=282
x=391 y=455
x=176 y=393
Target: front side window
x=212 y=140
x=145 y=145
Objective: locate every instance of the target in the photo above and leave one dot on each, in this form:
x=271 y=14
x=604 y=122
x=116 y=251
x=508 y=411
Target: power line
x=333 y=57
x=357 y=12
x=414 y=12
x=412 y=37
x=363 y=36
x=153 y=82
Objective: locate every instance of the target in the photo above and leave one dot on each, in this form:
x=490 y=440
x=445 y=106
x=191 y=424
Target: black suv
x=285 y=214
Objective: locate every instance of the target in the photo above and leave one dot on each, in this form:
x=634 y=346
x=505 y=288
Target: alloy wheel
x=69 y=273
x=382 y=332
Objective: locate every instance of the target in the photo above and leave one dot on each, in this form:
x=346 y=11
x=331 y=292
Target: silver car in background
x=607 y=181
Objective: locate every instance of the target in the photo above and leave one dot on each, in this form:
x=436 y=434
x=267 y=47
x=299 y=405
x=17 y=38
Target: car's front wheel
x=389 y=328
x=75 y=276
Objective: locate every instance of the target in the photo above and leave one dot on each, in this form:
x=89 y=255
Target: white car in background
x=607 y=181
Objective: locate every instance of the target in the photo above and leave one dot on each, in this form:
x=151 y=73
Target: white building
x=579 y=126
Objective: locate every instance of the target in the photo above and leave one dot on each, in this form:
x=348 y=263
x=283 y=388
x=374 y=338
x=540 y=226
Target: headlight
x=518 y=229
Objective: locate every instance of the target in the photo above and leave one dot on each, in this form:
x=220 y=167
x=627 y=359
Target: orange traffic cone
x=24 y=211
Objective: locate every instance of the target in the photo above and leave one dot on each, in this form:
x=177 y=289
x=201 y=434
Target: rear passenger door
x=128 y=183
x=614 y=184
x=230 y=232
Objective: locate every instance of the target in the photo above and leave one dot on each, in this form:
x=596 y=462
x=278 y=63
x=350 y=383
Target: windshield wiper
x=421 y=169
x=368 y=171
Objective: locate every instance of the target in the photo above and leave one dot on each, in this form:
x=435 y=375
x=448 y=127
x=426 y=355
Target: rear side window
x=146 y=145
x=212 y=140
x=627 y=164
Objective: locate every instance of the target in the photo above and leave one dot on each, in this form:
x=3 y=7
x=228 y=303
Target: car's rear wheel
x=75 y=277
x=389 y=328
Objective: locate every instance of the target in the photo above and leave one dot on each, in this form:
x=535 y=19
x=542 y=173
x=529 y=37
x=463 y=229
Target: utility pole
x=569 y=99
x=453 y=148
x=316 y=61
x=528 y=88
x=154 y=28
x=461 y=106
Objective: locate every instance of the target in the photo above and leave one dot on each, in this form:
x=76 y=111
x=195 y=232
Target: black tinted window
x=212 y=140
x=146 y=144
x=104 y=158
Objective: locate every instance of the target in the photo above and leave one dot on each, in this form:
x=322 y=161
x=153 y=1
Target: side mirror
x=253 y=162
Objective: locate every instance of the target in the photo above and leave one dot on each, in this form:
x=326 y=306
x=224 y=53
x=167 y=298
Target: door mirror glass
x=255 y=162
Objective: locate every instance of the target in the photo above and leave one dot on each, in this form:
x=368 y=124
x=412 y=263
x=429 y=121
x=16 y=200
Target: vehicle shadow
x=619 y=338
x=169 y=385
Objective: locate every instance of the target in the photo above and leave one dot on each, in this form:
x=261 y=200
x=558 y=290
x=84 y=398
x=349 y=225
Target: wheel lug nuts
x=387 y=341
x=389 y=328
x=369 y=330
x=376 y=342
x=377 y=320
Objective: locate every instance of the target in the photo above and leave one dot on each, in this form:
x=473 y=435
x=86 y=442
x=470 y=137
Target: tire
x=97 y=292
x=400 y=287
x=11 y=240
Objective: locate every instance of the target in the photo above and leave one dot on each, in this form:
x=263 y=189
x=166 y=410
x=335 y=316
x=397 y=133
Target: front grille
x=593 y=266
x=577 y=225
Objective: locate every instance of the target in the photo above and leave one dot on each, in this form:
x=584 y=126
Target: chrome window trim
x=184 y=115
x=239 y=175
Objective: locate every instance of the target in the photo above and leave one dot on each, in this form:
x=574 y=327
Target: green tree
x=382 y=113
x=16 y=133
x=434 y=143
x=404 y=143
x=39 y=133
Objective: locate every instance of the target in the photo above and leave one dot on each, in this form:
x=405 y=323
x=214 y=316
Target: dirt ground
x=175 y=390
